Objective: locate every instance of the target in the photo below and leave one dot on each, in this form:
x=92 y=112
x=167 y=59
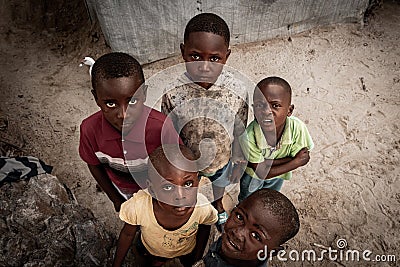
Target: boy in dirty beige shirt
x=207 y=105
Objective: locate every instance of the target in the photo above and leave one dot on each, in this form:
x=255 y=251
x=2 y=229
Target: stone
x=43 y=225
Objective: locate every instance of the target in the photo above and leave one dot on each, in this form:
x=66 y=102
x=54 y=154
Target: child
x=114 y=155
x=275 y=143
x=173 y=217
x=255 y=231
x=207 y=105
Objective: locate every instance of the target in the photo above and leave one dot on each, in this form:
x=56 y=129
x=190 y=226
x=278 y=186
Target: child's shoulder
x=204 y=203
x=251 y=127
x=93 y=119
x=175 y=82
x=134 y=209
x=296 y=122
x=233 y=81
x=297 y=129
x=92 y=124
x=157 y=120
x=138 y=199
x=252 y=124
x=202 y=199
x=154 y=114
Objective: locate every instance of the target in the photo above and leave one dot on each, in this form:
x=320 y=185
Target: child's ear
x=94 y=94
x=291 y=108
x=228 y=53
x=182 y=46
x=149 y=186
x=145 y=92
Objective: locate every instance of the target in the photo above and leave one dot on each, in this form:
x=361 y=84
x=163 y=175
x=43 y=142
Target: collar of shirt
x=215 y=250
x=136 y=134
x=223 y=80
x=286 y=138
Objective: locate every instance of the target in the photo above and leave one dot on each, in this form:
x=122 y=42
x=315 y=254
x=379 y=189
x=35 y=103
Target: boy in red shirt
x=115 y=142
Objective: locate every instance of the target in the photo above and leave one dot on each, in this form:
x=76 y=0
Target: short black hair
x=279 y=205
x=276 y=81
x=170 y=154
x=208 y=22
x=116 y=65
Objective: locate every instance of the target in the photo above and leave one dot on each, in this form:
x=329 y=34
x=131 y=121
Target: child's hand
x=302 y=157
x=237 y=171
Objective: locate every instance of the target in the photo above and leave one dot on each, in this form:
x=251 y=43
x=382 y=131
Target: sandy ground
x=346 y=82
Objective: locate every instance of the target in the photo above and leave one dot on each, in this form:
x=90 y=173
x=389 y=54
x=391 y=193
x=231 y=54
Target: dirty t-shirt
x=207 y=120
x=138 y=210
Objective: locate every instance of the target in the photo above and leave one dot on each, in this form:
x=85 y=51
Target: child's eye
x=238 y=216
x=133 y=101
x=256 y=236
x=189 y=184
x=214 y=59
x=276 y=105
x=258 y=106
x=168 y=187
x=110 y=104
x=195 y=57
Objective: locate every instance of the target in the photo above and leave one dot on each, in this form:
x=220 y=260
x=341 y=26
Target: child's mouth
x=181 y=209
x=234 y=245
x=267 y=122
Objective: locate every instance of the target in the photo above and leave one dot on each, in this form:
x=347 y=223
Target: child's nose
x=268 y=109
x=204 y=66
x=180 y=193
x=122 y=112
x=239 y=234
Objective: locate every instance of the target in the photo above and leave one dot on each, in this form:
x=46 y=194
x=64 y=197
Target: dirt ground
x=346 y=86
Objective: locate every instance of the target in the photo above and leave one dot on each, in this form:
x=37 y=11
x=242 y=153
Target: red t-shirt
x=101 y=143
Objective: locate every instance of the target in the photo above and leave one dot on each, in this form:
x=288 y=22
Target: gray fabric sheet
x=152 y=30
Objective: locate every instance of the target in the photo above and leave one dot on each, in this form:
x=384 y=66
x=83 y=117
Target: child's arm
x=201 y=241
x=238 y=160
x=125 y=239
x=239 y=127
x=275 y=162
x=265 y=170
x=101 y=176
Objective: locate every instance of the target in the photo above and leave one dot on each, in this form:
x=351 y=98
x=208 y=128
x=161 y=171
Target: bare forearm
x=124 y=242
x=267 y=169
x=101 y=177
x=201 y=241
x=281 y=169
x=237 y=153
x=281 y=161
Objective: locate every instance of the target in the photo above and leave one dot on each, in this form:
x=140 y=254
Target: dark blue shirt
x=213 y=258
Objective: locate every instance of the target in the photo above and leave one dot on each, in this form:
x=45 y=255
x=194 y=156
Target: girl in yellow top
x=173 y=217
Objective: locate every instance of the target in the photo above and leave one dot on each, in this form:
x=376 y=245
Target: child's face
x=205 y=54
x=114 y=96
x=271 y=107
x=176 y=190
x=250 y=228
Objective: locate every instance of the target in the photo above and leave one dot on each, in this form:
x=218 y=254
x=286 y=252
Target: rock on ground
x=42 y=225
